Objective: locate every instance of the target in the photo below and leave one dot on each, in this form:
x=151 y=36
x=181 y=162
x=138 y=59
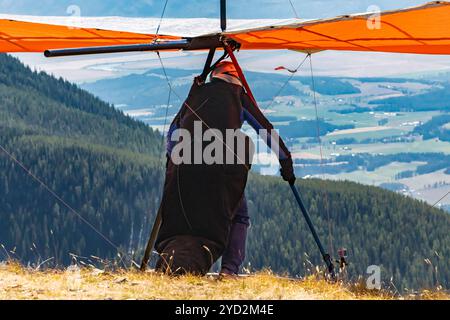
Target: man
x=204 y=211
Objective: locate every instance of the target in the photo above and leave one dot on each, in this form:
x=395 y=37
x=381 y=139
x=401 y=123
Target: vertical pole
x=207 y=68
x=152 y=240
x=326 y=257
x=223 y=15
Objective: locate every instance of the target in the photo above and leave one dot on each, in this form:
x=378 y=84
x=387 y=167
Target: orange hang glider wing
x=20 y=36
x=424 y=29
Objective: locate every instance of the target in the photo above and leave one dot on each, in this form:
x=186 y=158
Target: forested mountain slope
x=107 y=167
x=38 y=104
x=377 y=227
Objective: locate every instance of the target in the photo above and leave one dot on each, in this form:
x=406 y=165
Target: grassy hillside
x=107 y=167
x=94 y=284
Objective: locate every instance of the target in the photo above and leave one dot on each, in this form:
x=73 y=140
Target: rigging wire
x=162 y=149
x=158 y=217
x=330 y=232
x=319 y=139
x=164 y=70
x=434 y=205
x=163 y=133
x=294 y=10
x=166 y=116
x=65 y=204
x=286 y=83
x=169 y=98
x=161 y=20
x=178 y=169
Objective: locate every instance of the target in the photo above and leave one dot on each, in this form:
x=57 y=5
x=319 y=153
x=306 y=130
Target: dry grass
x=76 y=283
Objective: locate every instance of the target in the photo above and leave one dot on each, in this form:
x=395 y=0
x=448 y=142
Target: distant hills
x=436 y=100
x=150 y=88
x=108 y=168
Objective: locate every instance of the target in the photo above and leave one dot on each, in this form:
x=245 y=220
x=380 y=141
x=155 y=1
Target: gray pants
x=234 y=254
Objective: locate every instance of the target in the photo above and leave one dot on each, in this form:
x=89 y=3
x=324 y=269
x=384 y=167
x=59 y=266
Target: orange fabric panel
x=424 y=29
x=19 y=36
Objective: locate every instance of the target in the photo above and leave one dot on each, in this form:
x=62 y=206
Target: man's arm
x=256 y=119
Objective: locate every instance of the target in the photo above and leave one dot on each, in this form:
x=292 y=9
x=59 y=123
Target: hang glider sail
x=20 y=36
x=424 y=29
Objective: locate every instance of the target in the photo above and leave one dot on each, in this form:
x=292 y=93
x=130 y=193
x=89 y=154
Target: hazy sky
x=202 y=8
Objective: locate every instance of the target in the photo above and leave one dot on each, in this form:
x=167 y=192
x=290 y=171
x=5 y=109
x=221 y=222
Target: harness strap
x=230 y=52
x=209 y=66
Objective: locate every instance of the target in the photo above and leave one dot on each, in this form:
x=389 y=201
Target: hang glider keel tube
x=187 y=44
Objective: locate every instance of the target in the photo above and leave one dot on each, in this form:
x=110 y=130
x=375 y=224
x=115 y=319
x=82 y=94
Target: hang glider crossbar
x=186 y=44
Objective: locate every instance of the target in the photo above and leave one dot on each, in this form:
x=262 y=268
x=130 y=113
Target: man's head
x=226 y=71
